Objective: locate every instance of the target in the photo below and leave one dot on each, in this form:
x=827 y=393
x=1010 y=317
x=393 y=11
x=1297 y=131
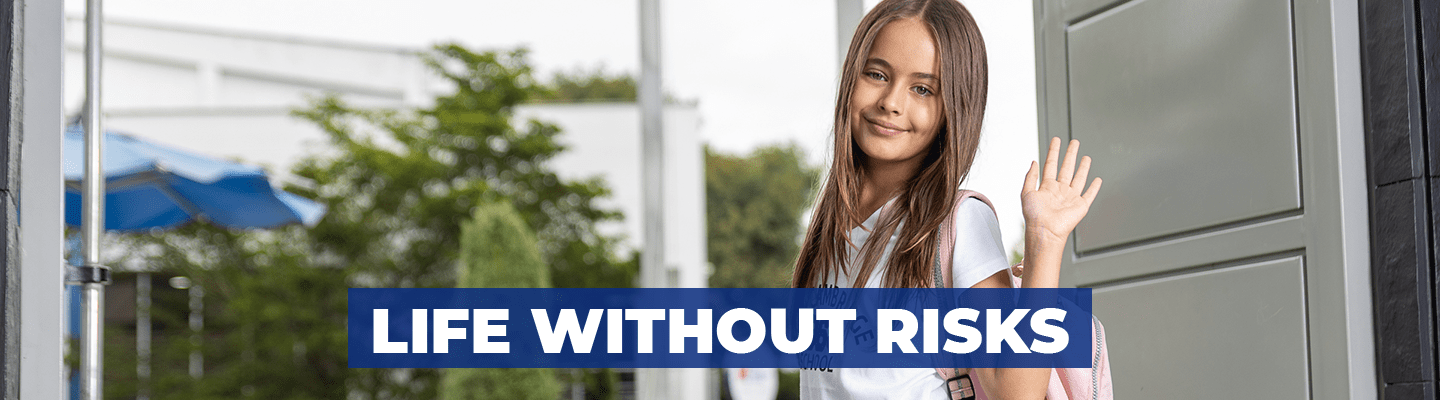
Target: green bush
x=601 y=384
x=789 y=385
x=753 y=209
x=497 y=250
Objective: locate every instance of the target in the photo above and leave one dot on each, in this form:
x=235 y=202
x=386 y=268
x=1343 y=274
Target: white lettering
x=419 y=329
x=806 y=334
x=1058 y=337
x=969 y=333
x=932 y=333
x=552 y=340
x=998 y=331
x=701 y=330
x=837 y=318
x=483 y=331
x=443 y=332
x=888 y=336
x=727 y=333
x=644 y=319
x=614 y=330
x=382 y=334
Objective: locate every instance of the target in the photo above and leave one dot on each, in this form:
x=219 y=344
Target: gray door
x=1220 y=254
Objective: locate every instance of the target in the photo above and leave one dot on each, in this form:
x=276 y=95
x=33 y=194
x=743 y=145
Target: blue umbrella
x=149 y=185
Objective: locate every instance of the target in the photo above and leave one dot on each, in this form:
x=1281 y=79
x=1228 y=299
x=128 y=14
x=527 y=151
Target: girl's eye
x=875 y=75
x=923 y=91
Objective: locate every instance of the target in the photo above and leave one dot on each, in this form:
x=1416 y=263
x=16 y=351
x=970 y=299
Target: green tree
x=753 y=206
x=403 y=179
x=397 y=184
x=497 y=250
x=588 y=86
x=274 y=322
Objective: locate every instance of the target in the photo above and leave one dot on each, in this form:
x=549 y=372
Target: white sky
x=764 y=71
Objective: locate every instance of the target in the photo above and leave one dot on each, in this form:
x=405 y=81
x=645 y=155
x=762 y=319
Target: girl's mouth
x=884 y=129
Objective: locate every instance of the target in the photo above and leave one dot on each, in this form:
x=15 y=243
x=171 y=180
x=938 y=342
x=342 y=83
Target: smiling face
x=895 y=107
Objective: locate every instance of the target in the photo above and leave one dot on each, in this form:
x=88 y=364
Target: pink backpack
x=1065 y=383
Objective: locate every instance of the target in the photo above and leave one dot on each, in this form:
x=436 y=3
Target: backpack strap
x=959 y=385
x=945 y=242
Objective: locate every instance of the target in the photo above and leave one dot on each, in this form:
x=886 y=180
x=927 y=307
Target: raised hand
x=1059 y=200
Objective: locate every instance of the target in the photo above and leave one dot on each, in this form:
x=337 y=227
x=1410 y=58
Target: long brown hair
x=926 y=199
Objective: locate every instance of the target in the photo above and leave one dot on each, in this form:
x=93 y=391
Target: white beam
x=41 y=197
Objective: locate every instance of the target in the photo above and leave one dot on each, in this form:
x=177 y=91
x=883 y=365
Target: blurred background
x=406 y=121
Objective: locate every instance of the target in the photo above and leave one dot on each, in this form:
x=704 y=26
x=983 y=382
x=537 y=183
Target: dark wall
x=1400 y=64
x=9 y=268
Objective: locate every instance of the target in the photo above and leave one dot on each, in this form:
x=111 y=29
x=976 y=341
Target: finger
x=1051 y=159
x=1093 y=190
x=1030 y=176
x=1018 y=271
x=1081 y=173
x=1067 y=169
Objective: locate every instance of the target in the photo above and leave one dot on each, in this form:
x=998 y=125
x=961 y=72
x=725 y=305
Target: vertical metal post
x=197 y=326
x=142 y=336
x=653 y=145
x=92 y=297
x=651 y=383
x=93 y=222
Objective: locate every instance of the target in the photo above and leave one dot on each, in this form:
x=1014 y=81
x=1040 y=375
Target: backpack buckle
x=964 y=389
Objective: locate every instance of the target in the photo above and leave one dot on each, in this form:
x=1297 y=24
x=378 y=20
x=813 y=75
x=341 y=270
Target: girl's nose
x=891 y=100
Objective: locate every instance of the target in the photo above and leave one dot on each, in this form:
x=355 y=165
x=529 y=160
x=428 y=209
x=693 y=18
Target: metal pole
x=93 y=222
x=197 y=325
x=651 y=383
x=653 y=145
x=92 y=297
x=142 y=336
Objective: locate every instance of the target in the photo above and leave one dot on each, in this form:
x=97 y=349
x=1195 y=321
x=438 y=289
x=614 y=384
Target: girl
x=907 y=125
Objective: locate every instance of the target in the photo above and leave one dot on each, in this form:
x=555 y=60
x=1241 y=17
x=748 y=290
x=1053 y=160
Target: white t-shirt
x=978 y=255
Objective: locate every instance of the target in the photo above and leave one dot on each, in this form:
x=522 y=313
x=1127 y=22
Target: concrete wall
x=1402 y=85
x=9 y=265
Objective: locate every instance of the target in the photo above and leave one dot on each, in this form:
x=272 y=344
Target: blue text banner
x=719 y=328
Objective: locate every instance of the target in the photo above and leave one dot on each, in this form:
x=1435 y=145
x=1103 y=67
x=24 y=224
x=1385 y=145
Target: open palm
x=1055 y=204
